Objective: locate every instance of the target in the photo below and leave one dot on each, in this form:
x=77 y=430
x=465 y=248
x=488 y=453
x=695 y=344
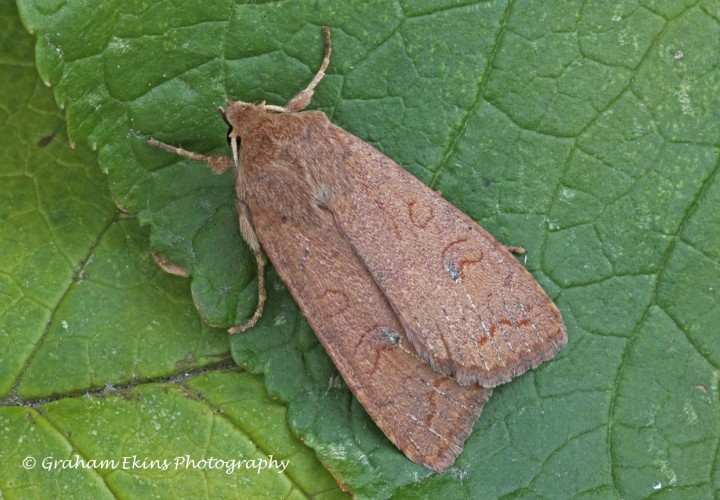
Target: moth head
x=241 y=118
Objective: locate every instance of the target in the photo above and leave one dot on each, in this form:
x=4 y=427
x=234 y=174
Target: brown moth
x=421 y=310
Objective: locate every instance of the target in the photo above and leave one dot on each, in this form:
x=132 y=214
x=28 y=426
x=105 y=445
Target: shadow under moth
x=422 y=311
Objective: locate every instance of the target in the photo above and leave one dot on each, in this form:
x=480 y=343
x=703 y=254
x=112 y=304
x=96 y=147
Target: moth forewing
x=469 y=307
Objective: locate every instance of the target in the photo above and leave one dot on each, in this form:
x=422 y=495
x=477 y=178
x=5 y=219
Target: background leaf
x=586 y=132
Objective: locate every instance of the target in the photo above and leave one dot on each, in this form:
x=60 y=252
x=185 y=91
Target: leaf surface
x=586 y=132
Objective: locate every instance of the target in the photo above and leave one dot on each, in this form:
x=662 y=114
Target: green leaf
x=163 y=440
x=586 y=132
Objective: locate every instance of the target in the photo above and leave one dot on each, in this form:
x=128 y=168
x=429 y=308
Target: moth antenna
x=302 y=99
x=277 y=109
x=271 y=107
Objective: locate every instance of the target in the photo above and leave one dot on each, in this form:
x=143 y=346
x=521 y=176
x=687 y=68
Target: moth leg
x=302 y=99
x=218 y=163
x=516 y=250
x=248 y=234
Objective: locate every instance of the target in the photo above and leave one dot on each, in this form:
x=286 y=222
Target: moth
x=422 y=311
